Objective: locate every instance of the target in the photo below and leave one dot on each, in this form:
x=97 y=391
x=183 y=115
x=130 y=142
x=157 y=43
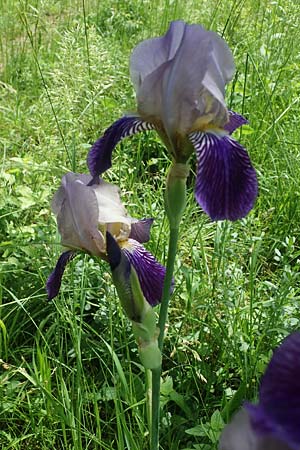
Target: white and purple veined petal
x=54 y=280
x=226 y=183
x=99 y=157
x=150 y=272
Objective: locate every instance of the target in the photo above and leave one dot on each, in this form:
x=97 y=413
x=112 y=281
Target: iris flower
x=273 y=424
x=86 y=214
x=180 y=81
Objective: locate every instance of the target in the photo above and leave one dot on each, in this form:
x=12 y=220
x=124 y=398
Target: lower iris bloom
x=180 y=81
x=273 y=424
x=87 y=212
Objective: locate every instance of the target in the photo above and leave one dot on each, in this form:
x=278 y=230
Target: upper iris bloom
x=273 y=424
x=180 y=81
x=86 y=215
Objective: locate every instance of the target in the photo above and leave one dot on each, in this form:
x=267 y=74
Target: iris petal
x=54 y=280
x=235 y=121
x=172 y=89
x=77 y=210
x=99 y=157
x=140 y=230
x=280 y=394
x=150 y=54
x=150 y=272
x=238 y=434
x=226 y=184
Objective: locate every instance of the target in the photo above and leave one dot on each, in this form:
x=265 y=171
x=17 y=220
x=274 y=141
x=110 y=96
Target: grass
x=70 y=376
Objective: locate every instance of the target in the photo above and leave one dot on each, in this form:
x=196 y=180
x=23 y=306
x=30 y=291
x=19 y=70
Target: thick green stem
x=175 y=200
x=163 y=314
x=156 y=373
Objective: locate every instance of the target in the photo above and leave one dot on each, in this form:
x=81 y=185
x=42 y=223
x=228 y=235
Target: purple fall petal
x=280 y=394
x=99 y=157
x=235 y=121
x=121 y=273
x=140 y=230
x=150 y=272
x=226 y=184
x=54 y=280
x=113 y=251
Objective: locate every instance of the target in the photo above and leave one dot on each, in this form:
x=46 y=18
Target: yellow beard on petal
x=214 y=116
x=204 y=123
x=125 y=244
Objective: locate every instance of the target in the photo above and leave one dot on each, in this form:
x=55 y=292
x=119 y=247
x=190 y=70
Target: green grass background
x=70 y=376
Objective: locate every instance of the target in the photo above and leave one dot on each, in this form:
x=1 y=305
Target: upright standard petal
x=110 y=208
x=180 y=78
x=85 y=211
x=278 y=411
x=222 y=57
x=77 y=215
x=226 y=184
x=54 y=281
x=99 y=157
x=150 y=272
x=150 y=54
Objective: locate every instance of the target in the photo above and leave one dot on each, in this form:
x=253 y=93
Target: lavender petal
x=140 y=230
x=150 y=272
x=226 y=184
x=238 y=434
x=235 y=121
x=99 y=157
x=54 y=281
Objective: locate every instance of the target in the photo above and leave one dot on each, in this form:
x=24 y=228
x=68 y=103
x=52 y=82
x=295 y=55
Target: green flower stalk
x=175 y=202
x=175 y=194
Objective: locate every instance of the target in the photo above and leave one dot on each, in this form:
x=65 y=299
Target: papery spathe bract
x=180 y=81
x=87 y=209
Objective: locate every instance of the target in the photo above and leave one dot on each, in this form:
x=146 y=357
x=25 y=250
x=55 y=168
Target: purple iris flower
x=273 y=424
x=87 y=212
x=180 y=81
